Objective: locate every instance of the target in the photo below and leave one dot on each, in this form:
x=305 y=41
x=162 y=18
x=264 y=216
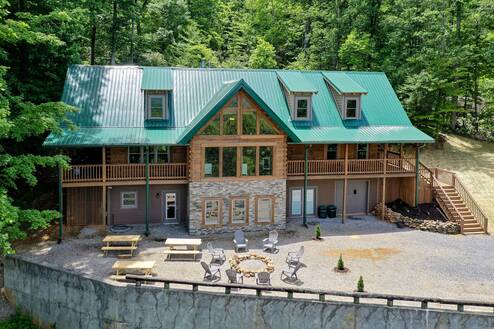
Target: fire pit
x=251 y=264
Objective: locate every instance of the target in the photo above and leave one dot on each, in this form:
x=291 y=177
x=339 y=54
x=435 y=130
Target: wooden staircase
x=455 y=201
x=456 y=210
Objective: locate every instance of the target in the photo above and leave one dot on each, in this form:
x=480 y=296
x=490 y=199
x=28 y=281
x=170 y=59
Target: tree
x=357 y=51
x=20 y=120
x=263 y=56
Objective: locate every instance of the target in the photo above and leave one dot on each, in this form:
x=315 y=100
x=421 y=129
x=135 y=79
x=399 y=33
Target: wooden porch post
x=306 y=168
x=60 y=204
x=383 y=206
x=147 y=192
x=417 y=175
x=345 y=183
x=103 y=187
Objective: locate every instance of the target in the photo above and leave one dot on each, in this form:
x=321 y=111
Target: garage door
x=357 y=196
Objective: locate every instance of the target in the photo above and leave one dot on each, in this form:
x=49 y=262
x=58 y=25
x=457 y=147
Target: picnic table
x=121 y=243
x=123 y=267
x=185 y=247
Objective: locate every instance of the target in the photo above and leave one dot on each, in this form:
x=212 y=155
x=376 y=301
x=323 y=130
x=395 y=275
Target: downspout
x=417 y=175
x=306 y=167
x=60 y=204
x=147 y=192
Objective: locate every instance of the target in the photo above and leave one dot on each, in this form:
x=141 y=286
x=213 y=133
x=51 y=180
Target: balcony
x=92 y=175
x=367 y=167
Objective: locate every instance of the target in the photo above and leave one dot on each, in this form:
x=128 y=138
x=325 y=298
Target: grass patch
x=17 y=321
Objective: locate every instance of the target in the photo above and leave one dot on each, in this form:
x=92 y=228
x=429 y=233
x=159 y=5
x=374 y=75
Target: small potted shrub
x=360 y=285
x=317 y=231
x=340 y=266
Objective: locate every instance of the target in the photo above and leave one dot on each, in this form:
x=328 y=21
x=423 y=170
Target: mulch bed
x=426 y=211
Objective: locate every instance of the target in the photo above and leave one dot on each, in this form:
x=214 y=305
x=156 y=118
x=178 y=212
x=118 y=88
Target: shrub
x=360 y=284
x=17 y=321
x=341 y=264
x=318 y=231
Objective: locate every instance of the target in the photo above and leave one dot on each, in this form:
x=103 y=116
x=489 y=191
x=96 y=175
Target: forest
x=438 y=55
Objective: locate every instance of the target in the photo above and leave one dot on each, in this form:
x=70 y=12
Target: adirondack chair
x=211 y=272
x=294 y=257
x=234 y=277
x=217 y=254
x=240 y=241
x=263 y=278
x=271 y=242
x=291 y=272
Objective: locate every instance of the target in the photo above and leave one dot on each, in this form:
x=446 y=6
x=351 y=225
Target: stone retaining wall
x=70 y=301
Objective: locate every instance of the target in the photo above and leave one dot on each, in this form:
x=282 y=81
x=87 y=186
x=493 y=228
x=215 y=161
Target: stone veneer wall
x=71 y=301
x=226 y=189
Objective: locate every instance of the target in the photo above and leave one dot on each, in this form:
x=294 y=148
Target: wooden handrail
x=139 y=280
x=355 y=166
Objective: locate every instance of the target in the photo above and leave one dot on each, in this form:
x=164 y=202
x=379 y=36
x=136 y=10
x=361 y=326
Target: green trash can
x=322 y=212
x=331 y=211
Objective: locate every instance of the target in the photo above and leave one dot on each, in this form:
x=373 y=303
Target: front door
x=169 y=207
x=297 y=199
x=356 y=196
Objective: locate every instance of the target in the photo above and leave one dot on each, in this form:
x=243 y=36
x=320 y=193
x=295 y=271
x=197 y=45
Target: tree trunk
x=93 y=43
x=113 y=41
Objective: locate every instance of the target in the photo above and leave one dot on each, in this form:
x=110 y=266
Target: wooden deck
x=324 y=168
x=114 y=174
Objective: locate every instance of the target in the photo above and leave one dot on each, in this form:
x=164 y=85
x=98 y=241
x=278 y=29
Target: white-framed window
x=157 y=154
x=352 y=107
x=239 y=210
x=264 y=209
x=156 y=105
x=362 y=151
x=302 y=108
x=128 y=200
x=332 y=152
x=212 y=211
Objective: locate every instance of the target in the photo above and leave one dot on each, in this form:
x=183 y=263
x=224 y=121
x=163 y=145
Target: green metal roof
x=226 y=92
x=156 y=78
x=343 y=83
x=111 y=105
x=295 y=82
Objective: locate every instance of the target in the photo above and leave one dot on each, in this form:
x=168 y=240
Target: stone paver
x=391 y=260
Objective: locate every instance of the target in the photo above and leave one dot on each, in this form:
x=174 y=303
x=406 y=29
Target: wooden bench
x=170 y=252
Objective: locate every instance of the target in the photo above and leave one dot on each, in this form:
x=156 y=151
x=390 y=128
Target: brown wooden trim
x=203 y=212
x=247 y=213
x=273 y=204
x=383 y=206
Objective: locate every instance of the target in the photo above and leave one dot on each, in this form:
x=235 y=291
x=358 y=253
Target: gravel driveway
x=391 y=260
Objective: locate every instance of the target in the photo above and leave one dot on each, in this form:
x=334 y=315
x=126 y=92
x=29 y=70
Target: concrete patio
x=391 y=260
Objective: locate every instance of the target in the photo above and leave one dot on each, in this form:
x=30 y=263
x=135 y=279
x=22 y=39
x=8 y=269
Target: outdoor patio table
x=183 y=246
x=130 y=240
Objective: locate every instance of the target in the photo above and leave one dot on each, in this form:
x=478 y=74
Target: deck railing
x=320 y=295
x=450 y=178
x=124 y=172
x=355 y=167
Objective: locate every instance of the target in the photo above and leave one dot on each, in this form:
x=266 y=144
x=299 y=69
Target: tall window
x=212 y=211
x=239 y=212
x=302 y=108
x=249 y=160
x=351 y=107
x=229 y=122
x=265 y=160
x=213 y=128
x=211 y=161
x=265 y=128
x=249 y=122
x=229 y=161
x=264 y=209
x=332 y=152
x=362 y=151
x=156 y=105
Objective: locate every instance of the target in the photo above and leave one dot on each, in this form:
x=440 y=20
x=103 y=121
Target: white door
x=297 y=200
x=169 y=206
x=356 y=196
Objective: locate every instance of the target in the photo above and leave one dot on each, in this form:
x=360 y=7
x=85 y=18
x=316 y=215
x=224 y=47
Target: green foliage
x=318 y=231
x=264 y=56
x=17 y=321
x=341 y=264
x=357 y=51
x=360 y=285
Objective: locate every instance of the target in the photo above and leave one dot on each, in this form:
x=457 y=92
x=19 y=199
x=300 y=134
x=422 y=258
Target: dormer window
x=352 y=107
x=302 y=108
x=156 y=103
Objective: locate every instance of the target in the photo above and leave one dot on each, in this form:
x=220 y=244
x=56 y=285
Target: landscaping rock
x=423 y=225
